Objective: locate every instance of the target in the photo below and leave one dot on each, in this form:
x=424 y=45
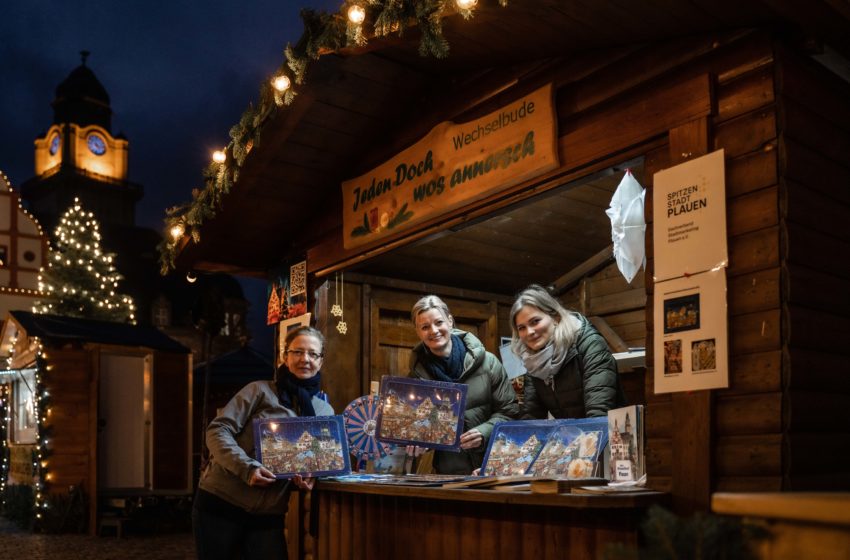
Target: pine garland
x=323 y=33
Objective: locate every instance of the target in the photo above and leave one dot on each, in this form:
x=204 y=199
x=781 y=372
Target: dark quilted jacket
x=586 y=385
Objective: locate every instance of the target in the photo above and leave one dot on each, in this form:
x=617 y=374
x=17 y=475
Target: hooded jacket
x=230 y=439
x=586 y=385
x=490 y=399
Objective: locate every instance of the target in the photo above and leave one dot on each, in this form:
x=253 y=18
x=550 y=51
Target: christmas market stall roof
x=278 y=192
x=238 y=367
x=58 y=330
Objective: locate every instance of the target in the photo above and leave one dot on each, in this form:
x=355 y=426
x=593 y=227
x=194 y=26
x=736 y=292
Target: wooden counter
x=360 y=520
x=801 y=524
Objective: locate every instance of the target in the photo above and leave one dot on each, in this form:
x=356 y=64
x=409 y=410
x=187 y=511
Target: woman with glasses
x=571 y=372
x=240 y=505
x=448 y=354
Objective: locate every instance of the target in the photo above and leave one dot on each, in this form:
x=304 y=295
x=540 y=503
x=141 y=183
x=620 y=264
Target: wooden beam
x=612 y=338
x=591 y=265
x=425 y=288
x=693 y=412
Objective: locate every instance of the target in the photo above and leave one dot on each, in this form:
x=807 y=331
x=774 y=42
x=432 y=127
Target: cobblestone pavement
x=15 y=543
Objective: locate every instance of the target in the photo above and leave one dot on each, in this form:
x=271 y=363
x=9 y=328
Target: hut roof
x=54 y=328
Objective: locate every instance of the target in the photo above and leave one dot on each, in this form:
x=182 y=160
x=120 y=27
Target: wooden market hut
x=110 y=413
x=642 y=86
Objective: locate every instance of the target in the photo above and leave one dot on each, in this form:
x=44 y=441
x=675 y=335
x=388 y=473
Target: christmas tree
x=80 y=279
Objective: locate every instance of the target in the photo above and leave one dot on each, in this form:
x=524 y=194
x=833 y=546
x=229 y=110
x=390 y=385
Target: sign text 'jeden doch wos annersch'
x=453 y=165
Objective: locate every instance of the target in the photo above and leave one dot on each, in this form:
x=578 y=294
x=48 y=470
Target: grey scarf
x=543 y=364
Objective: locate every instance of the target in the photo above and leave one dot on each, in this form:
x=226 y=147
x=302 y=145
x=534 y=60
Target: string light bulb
x=219 y=156
x=191 y=277
x=177 y=231
x=466 y=4
x=356 y=14
x=281 y=83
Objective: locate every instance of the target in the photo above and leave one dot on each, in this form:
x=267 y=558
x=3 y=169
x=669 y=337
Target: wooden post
x=692 y=412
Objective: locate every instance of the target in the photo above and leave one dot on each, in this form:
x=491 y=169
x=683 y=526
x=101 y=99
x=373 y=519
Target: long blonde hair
x=567 y=324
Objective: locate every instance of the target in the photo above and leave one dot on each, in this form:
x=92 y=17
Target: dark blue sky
x=179 y=75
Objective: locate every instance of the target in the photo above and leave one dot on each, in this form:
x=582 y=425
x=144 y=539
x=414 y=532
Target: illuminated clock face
x=96 y=144
x=54 y=144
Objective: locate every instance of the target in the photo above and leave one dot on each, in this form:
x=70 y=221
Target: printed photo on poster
x=672 y=357
x=283 y=329
x=703 y=355
x=691 y=333
x=287 y=293
x=681 y=314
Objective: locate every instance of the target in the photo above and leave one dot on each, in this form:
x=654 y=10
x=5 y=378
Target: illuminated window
x=24 y=414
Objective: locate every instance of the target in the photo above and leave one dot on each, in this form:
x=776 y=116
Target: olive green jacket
x=490 y=399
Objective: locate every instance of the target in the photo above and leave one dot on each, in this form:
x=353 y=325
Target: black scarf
x=297 y=394
x=446 y=368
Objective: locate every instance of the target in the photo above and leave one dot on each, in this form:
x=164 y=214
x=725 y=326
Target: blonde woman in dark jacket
x=571 y=372
x=448 y=354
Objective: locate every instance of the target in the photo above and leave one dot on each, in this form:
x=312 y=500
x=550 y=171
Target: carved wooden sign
x=453 y=165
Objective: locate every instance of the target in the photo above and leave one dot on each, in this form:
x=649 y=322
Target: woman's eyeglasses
x=302 y=353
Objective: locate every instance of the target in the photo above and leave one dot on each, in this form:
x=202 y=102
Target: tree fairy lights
x=80 y=279
x=324 y=33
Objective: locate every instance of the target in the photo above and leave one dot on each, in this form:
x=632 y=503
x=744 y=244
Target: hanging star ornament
x=336 y=310
x=342 y=327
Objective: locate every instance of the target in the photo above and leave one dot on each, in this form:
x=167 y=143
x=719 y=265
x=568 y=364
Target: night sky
x=179 y=74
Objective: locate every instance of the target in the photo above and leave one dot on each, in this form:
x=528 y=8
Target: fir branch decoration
x=323 y=33
x=704 y=536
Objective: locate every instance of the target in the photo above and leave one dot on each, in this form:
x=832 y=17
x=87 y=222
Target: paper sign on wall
x=689 y=217
x=690 y=255
x=691 y=335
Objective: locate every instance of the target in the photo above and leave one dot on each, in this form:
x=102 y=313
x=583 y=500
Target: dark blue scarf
x=297 y=394
x=447 y=368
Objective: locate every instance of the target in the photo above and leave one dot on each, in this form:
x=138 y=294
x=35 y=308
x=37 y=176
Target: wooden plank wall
x=814 y=211
x=70 y=421
x=743 y=439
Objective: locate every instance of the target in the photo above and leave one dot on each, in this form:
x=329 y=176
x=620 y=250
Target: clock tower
x=79 y=157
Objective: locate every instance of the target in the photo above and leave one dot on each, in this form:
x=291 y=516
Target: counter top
x=624 y=500
x=819 y=507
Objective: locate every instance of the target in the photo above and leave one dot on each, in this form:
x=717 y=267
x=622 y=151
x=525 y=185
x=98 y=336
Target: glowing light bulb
x=177 y=231
x=219 y=156
x=281 y=83
x=465 y=4
x=356 y=14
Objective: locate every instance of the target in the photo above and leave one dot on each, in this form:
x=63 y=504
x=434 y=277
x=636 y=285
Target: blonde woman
x=571 y=372
x=445 y=353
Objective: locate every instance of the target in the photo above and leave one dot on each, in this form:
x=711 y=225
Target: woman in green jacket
x=448 y=354
x=571 y=372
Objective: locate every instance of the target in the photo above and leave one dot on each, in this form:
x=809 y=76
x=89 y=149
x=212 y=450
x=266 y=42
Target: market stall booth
x=358 y=176
x=97 y=412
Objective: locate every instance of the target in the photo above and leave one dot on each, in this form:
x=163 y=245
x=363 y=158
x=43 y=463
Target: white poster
x=689 y=217
x=691 y=333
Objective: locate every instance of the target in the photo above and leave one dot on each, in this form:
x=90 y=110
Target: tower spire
x=84 y=55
